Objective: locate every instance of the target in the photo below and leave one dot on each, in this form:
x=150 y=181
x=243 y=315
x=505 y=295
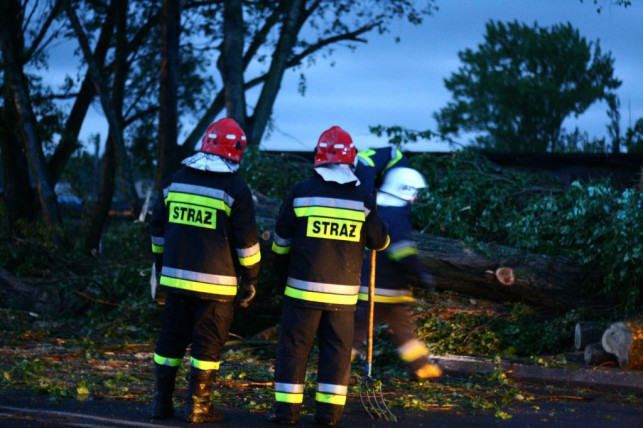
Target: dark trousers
x=401 y=325
x=190 y=320
x=334 y=330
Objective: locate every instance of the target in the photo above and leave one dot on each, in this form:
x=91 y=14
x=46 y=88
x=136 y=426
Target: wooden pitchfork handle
x=371 y=313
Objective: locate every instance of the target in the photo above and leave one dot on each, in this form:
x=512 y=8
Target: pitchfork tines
x=370 y=390
x=370 y=394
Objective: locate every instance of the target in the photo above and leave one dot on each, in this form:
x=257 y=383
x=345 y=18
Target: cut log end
x=506 y=276
x=595 y=354
x=625 y=341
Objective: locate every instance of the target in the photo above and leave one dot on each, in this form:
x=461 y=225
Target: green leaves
x=518 y=87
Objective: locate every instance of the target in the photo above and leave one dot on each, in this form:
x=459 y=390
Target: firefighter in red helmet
x=321 y=231
x=204 y=237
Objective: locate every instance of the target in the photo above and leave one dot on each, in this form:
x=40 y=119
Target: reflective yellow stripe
x=249 y=261
x=184 y=284
x=165 y=361
x=313 y=296
x=398 y=156
x=388 y=299
x=202 y=201
x=204 y=365
x=413 y=350
x=335 y=213
x=323 y=397
x=279 y=249
x=400 y=253
x=157 y=249
x=366 y=155
x=285 y=397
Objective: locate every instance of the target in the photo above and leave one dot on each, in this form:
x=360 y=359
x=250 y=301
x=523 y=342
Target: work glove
x=245 y=295
x=427 y=281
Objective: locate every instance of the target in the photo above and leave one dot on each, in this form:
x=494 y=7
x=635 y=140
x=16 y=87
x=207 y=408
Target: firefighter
x=396 y=268
x=204 y=237
x=321 y=231
x=372 y=165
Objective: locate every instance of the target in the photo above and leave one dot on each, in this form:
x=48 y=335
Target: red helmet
x=225 y=138
x=335 y=146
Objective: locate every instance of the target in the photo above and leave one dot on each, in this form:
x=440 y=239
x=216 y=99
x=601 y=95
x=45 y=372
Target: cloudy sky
x=390 y=83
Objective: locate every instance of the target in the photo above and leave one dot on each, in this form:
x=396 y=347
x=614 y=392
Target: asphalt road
x=18 y=409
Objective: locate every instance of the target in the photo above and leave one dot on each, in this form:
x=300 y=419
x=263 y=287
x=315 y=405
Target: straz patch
x=193 y=215
x=343 y=230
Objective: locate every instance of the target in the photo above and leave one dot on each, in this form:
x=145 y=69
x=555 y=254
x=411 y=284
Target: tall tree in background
x=26 y=137
x=518 y=87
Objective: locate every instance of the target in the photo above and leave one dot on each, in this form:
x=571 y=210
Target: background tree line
x=153 y=65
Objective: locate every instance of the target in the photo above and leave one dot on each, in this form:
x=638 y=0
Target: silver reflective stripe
x=198 y=276
x=292 y=388
x=399 y=245
x=329 y=388
x=247 y=252
x=282 y=242
x=323 y=287
x=387 y=291
x=199 y=190
x=158 y=240
x=328 y=202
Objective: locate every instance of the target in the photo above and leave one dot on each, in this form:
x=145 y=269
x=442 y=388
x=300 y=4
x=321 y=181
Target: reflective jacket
x=397 y=266
x=204 y=234
x=320 y=235
x=372 y=164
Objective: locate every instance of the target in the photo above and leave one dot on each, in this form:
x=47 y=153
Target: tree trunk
x=473 y=269
x=232 y=61
x=115 y=124
x=69 y=139
x=624 y=339
x=587 y=332
x=23 y=296
x=12 y=48
x=292 y=23
x=103 y=204
x=19 y=197
x=168 y=159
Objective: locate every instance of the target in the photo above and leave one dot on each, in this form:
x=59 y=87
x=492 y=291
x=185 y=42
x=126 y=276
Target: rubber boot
x=198 y=407
x=163 y=390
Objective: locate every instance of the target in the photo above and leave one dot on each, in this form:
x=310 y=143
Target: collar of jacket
x=339 y=173
x=209 y=162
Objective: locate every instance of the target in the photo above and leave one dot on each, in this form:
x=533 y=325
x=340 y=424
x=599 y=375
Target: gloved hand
x=427 y=281
x=245 y=294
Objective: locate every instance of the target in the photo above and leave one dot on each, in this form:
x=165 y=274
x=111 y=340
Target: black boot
x=163 y=390
x=198 y=407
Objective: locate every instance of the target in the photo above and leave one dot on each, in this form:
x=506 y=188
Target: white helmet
x=402 y=183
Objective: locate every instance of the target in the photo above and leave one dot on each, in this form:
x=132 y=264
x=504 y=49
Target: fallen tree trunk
x=624 y=339
x=480 y=270
x=18 y=294
x=503 y=273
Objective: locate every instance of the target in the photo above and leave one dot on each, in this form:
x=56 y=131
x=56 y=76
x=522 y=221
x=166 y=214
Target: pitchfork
x=370 y=390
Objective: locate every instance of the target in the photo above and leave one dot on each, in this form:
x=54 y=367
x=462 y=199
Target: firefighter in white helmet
x=204 y=237
x=397 y=268
x=321 y=232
